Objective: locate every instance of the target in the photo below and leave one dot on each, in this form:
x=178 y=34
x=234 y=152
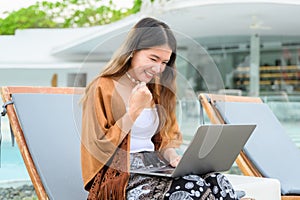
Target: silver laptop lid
x=214 y=148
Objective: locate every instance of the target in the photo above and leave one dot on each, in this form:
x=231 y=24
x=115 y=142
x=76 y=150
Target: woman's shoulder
x=104 y=82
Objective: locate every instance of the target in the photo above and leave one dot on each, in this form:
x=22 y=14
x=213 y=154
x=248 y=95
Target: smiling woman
x=131 y=106
x=153 y=60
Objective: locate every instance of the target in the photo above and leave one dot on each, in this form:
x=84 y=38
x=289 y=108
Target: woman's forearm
x=171 y=156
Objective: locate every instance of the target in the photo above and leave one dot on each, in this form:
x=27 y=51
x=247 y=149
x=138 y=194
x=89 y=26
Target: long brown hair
x=147 y=33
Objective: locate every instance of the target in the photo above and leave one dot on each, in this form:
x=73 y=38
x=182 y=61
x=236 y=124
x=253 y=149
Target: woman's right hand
x=139 y=99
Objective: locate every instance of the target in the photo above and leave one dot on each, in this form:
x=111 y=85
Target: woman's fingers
x=175 y=161
x=143 y=90
x=140 y=97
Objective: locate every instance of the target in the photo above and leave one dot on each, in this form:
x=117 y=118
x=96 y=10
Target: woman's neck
x=133 y=80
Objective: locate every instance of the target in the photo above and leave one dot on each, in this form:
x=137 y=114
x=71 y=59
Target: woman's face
x=147 y=63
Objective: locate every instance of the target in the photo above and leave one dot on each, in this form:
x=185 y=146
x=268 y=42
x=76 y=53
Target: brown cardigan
x=105 y=141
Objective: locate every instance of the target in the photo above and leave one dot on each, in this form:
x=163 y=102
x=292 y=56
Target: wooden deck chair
x=269 y=152
x=46 y=124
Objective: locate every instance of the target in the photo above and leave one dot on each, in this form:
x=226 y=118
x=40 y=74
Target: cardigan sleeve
x=103 y=127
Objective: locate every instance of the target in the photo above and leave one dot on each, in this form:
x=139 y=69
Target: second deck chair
x=269 y=152
x=46 y=124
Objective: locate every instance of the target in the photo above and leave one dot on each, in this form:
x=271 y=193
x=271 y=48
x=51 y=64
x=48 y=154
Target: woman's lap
x=147 y=187
x=209 y=186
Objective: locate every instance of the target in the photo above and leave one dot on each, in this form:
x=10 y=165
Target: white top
x=144 y=127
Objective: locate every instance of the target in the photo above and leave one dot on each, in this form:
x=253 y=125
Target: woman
x=129 y=121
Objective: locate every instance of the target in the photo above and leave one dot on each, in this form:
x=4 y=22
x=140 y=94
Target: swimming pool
x=13 y=171
x=12 y=165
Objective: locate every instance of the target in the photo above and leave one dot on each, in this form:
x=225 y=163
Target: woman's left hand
x=171 y=156
x=174 y=162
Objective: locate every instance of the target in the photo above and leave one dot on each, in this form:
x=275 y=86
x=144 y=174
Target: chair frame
x=6 y=93
x=244 y=164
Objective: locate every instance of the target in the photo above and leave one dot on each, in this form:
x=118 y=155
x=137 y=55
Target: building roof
x=218 y=21
x=209 y=22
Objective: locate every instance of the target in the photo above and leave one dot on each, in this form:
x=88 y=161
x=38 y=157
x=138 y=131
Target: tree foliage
x=65 y=14
x=30 y=17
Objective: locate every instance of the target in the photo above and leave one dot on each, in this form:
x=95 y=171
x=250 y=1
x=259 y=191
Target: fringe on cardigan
x=111 y=181
x=109 y=184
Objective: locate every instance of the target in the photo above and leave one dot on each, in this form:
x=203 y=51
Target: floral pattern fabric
x=213 y=186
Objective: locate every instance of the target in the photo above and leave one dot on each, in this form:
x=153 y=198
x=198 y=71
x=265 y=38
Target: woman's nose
x=156 y=68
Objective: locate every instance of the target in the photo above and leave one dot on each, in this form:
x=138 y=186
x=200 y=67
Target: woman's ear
x=132 y=53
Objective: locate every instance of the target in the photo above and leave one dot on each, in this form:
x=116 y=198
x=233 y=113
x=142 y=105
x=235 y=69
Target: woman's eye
x=153 y=59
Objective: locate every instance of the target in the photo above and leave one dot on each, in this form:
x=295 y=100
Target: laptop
x=213 y=148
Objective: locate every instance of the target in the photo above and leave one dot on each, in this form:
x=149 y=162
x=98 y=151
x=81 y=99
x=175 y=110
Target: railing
x=286 y=109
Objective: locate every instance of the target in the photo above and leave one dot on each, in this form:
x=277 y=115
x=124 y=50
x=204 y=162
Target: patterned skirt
x=208 y=186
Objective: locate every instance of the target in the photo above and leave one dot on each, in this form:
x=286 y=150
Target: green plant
x=65 y=14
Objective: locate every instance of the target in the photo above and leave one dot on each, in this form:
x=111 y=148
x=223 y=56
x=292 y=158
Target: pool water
x=12 y=169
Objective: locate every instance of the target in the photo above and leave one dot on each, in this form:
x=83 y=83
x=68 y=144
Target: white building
x=232 y=32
